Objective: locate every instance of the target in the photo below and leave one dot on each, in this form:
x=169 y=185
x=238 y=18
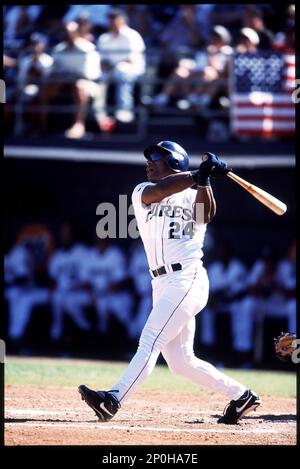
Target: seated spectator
x=253 y=18
x=19 y=23
x=22 y=289
x=228 y=281
x=69 y=296
x=284 y=40
x=197 y=79
x=34 y=66
x=139 y=271
x=247 y=41
x=182 y=33
x=97 y=16
x=270 y=293
x=123 y=62
x=76 y=64
x=10 y=65
x=104 y=275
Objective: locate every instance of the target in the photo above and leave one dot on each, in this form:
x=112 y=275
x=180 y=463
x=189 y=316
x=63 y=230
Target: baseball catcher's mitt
x=285 y=345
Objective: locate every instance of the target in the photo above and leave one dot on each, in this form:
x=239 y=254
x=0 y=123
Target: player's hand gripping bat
x=264 y=197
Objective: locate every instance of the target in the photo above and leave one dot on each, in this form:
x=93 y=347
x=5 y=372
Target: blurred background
x=88 y=87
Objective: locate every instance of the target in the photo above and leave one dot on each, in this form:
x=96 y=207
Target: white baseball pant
x=170 y=328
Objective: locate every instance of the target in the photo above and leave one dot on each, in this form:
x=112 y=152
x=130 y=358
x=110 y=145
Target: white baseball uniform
x=139 y=271
x=178 y=295
x=65 y=267
x=22 y=297
x=101 y=270
x=231 y=277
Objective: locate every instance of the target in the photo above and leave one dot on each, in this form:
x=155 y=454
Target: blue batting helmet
x=175 y=156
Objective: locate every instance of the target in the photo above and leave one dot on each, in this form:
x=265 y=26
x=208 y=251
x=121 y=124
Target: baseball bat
x=264 y=197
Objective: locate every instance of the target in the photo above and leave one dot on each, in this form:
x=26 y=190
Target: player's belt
x=165 y=269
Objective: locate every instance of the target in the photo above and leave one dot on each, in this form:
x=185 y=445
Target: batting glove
x=211 y=166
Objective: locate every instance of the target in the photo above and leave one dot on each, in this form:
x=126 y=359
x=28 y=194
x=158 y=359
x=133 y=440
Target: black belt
x=162 y=270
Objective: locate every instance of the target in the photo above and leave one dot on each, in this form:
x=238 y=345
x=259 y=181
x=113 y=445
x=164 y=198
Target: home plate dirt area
x=50 y=416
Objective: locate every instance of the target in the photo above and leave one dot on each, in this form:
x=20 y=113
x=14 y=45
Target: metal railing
x=145 y=113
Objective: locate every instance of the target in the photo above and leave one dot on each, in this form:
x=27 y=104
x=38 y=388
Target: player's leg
x=180 y=297
x=180 y=357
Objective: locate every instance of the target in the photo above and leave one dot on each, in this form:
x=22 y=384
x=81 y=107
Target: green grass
x=43 y=372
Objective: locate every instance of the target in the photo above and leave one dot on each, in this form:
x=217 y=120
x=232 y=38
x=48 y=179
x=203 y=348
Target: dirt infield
x=50 y=416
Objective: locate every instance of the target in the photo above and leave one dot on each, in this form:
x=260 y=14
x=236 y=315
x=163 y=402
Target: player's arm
x=166 y=187
x=205 y=205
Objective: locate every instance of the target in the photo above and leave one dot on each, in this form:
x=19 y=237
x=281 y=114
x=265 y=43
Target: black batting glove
x=211 y=166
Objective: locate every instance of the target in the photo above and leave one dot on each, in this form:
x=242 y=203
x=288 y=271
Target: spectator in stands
x=19 y=22
x=68 y=296
x=34 y=67
x=122 y=60
x=253 y=18
x=228 y=281
x=197 y=79
x=21 y=290
x=247 y=41
x=138 y=19
x=97 y=16
x=76 y=65
x=284 y=40
x=180 y=36
x=85 y=28
x=105 y=274
x=270 y=293
x=139 y=271
x=10 y=65
x=228 y=15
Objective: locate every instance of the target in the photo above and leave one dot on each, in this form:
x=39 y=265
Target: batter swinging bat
x=264 y=197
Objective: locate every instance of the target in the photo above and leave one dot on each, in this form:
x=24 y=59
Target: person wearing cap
x=196 y=79
x=247 y=41
x=33 y=68
x=122 y=61
x=253 y=18
x=76 y=67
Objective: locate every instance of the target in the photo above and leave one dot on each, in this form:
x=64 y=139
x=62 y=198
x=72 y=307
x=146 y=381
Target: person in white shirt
x=18 y=23
x=34 y=67
x=271 y=293
x=104 y=271
x=21 y=290
x=122 y=60
x=139 y=271
x=228 y=282
x=96 y=15
x=68 y=296
x=76 y=64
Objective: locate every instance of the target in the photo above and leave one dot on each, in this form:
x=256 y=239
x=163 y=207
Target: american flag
x=261 y=94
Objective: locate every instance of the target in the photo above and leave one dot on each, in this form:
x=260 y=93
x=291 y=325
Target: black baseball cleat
x=103 y=403
x=235 y=410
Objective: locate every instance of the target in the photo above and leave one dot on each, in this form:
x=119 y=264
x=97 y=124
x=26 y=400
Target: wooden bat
x=264 y=197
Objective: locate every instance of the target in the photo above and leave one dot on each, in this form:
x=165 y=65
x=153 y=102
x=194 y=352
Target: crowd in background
x=93 y=55
x=68 y=278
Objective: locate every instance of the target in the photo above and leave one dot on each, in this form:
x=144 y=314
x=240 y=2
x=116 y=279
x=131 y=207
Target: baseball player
x=172 y=220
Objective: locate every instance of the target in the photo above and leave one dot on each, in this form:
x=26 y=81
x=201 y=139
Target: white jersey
x=168 y=229
x=65 y=267
x=103 y=268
